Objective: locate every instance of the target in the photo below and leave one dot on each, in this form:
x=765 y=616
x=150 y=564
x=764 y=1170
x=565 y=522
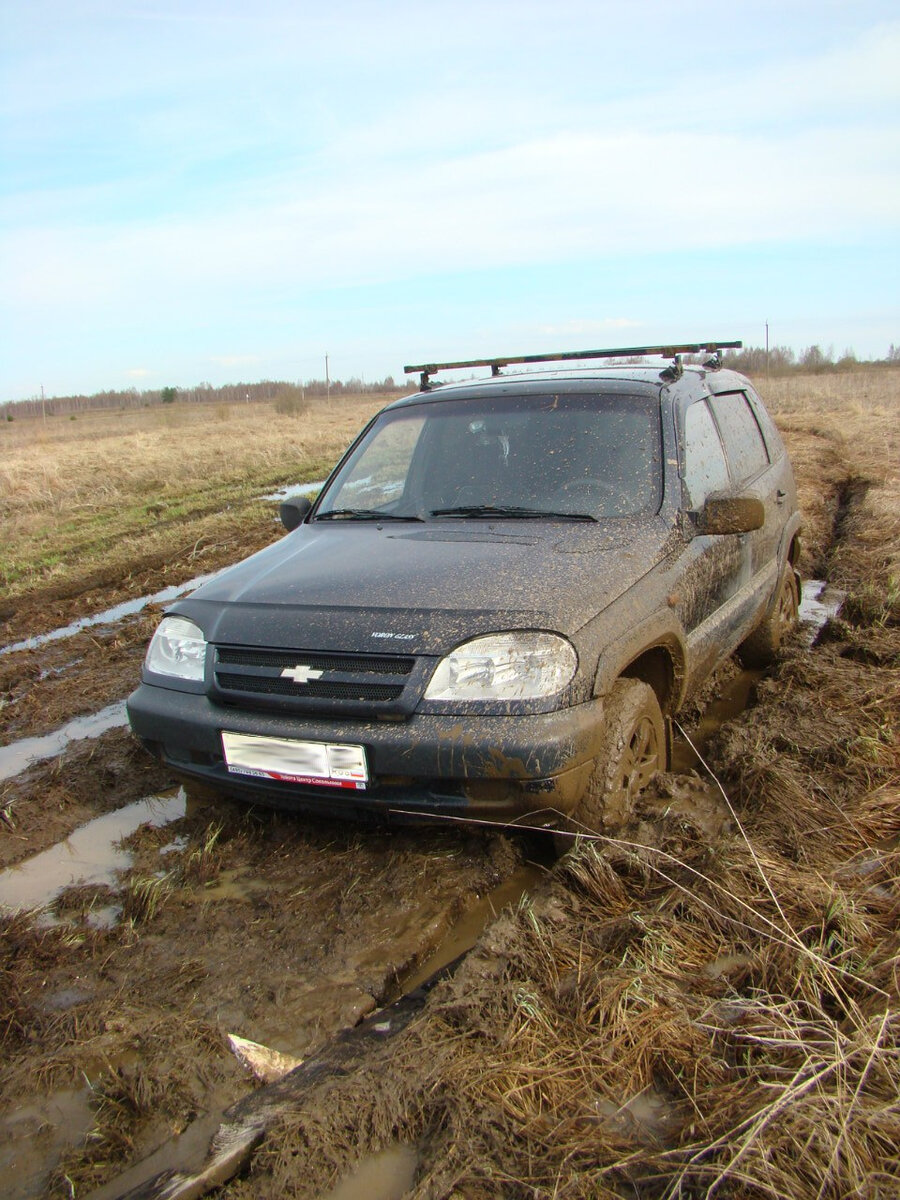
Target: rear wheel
x=632 y=753
x=762 y=646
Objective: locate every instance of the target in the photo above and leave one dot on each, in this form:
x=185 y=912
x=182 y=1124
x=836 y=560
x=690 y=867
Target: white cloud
x=231 y=162
x=563 y=198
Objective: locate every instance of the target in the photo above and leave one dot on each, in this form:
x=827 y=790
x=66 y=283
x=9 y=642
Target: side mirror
x=293 y=511
x=731 y=514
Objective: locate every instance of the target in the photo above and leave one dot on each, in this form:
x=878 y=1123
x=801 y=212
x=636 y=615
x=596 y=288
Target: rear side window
x=744 y=445
x=774 y=443
x=705 y=468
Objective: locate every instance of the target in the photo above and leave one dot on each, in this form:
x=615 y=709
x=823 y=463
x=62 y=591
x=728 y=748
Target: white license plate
x=290 y=761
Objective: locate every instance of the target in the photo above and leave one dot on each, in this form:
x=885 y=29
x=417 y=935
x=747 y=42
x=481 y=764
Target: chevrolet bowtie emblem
x=301 y=673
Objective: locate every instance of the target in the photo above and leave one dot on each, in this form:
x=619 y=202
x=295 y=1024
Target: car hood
x=366 y=587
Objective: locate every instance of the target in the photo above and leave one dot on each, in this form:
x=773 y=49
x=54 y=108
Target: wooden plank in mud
x=195 y=1165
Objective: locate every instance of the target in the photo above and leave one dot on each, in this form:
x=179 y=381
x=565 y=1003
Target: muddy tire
x=633 y=752
x=762 y=646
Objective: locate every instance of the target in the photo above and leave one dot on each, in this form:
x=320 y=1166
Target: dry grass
x=112 y=488
x=682 y=1014
x=847 y=428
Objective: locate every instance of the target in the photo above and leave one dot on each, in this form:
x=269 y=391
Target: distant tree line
x=781 y=360
x=296 y=397
x=291 y=396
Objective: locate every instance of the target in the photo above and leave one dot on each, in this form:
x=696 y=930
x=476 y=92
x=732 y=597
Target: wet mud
x=43 y=688
x=184 y=919
x=53 y=606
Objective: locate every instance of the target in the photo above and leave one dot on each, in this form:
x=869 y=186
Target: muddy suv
x=503 y=590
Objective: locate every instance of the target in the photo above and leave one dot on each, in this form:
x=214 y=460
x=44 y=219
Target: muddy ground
x=115 y=1005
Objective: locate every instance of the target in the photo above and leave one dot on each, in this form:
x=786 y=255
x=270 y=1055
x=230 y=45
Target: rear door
x=752 y=474
x=715 y=568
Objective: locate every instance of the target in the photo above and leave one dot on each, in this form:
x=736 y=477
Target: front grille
x=351 y=683
x=357 y=664
x=315 y=687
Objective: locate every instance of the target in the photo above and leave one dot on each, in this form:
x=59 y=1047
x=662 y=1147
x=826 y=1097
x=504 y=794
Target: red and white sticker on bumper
x=324 y=764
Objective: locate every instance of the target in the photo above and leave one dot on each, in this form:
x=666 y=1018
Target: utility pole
x=767 y=353
x=327 y=381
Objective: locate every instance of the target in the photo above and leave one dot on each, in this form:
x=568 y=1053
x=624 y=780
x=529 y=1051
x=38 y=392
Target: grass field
x=680 y=1015
x=692 y=1009
x=102 y=496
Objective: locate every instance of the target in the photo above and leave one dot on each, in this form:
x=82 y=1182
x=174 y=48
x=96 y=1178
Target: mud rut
x=114 y=1006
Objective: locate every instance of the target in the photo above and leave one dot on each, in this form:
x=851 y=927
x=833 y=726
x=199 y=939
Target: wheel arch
x=657 y=668
x=654 y=653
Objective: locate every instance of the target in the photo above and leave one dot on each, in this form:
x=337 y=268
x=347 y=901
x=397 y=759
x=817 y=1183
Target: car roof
x=614 y=378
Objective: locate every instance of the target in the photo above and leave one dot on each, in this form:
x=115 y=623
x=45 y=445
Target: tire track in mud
x=44 y=804
x=49 y=606
x=222 y=946
x=806 y=694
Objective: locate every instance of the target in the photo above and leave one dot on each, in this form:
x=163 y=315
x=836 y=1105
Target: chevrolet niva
x=503 y=591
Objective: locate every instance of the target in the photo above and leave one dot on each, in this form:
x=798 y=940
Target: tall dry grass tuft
x=692 y=1011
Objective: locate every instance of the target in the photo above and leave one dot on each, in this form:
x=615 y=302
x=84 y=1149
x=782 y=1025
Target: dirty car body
x=441 y=633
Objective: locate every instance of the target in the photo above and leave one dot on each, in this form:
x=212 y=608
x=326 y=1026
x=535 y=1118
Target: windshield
x=566 y=456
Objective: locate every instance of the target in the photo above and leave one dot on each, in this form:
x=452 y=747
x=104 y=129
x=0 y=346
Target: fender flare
x=660 y=631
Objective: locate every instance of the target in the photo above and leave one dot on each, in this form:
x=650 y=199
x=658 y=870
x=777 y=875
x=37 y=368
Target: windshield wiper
x=507 y=510
x=364 y=514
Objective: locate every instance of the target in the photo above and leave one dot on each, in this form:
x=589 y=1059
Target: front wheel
x=762 y=646
x=632 y=752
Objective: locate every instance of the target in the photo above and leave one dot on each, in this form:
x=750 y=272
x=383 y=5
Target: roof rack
x=668 y=351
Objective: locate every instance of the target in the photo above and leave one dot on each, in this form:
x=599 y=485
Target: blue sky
x=196 y=191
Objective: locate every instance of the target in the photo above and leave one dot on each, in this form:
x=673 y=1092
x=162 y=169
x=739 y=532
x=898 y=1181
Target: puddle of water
x=295 y=489
x=91 y=855
x=645 y=1117
x=110 y=615
x=820 y=603
x=231 y=884
x=388 y=1175
x=50 y=672
x=33 y=1137
x=18 y=756
x=468 y=929
x=729 y=704
x=64 y=999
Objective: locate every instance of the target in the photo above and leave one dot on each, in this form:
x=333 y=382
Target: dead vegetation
x=682 y=1014
x=708 y=1006
x=118 y=498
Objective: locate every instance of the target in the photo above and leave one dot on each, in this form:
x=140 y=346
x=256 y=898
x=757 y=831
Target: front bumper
x=529 y=769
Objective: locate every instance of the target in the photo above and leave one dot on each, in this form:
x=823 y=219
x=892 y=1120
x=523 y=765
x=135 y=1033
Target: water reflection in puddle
x=295 y=489
x=466 y=932
x=820 y=603
x=91 y=855
x=388 y=1175
x=110 y=616
x=18 y=756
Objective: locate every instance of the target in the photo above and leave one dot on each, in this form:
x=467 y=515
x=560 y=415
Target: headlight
x=505 y=666
x=178 y=648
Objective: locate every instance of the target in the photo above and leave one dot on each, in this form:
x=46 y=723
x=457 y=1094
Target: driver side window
x=705 y=468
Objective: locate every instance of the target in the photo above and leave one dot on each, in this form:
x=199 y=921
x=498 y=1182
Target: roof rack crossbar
x=668 y=351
